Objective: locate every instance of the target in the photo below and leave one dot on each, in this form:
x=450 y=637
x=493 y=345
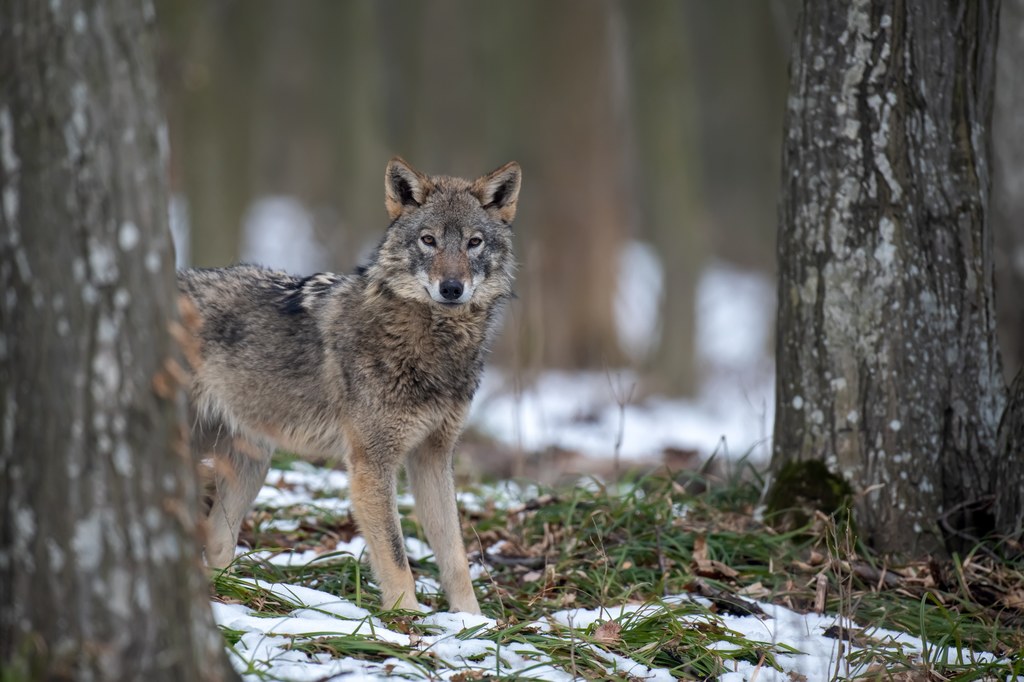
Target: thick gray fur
x=377 y=366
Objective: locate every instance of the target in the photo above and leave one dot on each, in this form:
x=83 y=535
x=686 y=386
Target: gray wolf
x=379 y=366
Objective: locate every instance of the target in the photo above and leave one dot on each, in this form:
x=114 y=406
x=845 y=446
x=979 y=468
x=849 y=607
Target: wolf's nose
x=451 y=289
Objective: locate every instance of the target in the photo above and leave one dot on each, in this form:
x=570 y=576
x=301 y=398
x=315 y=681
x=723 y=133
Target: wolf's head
x=450 y=240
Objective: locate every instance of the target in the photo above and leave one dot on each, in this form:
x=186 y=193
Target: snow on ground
x=264 y=646
x=265 y=649
x=589 y=411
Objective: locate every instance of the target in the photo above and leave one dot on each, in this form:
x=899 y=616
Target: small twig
x=622 y=402
x=525 y=561
x=662 y=566
x=726 y=602
x=572 y=646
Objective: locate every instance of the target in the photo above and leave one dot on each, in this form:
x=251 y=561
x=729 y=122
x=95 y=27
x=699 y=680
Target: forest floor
x=669 y=576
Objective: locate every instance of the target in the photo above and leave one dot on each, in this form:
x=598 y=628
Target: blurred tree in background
x=1008 y=184
x=656 y=122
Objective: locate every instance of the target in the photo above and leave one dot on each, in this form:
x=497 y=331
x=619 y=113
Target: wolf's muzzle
x=451 y=289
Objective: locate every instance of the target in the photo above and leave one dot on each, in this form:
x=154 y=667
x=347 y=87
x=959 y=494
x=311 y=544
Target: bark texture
x=100 y=576
x=1009 y=492
x=888 y=367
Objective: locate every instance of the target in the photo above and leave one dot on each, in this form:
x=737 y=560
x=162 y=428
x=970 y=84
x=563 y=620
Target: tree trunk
x=1008 y=228
x=100 y=576
x=735 y=42
x=211 y=88
x=888 y=367
x=1008 y=185
x=667 y=149
x=1009 y=493
x=581 y=195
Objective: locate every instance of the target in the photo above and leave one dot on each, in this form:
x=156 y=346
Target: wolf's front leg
x=373 y=480
x=433 y=485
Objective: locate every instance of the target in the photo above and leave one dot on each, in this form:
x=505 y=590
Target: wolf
x=378 y=366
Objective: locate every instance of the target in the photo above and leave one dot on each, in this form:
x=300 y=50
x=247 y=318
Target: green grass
x=599 y=546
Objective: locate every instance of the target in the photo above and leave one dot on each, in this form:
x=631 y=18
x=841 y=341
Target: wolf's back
x=261 y=346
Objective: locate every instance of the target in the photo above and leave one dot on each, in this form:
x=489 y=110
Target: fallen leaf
x=714 y=569
x=608 y=632
x=756 y=591
x=700 y=548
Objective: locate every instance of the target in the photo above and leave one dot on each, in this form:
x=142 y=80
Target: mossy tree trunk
x=100 y=577
x=888 y=367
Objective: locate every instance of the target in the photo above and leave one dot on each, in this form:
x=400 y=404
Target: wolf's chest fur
x=411 y=355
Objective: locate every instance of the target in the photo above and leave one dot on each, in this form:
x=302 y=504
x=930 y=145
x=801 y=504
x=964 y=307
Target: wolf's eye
x=475 y=242
x=428 y=240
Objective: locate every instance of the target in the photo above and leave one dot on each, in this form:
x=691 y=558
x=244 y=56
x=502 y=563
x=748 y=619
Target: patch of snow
x=735 y=318
x=282 y=525
x=417 y=549
x=638 y=295
x=581 y=411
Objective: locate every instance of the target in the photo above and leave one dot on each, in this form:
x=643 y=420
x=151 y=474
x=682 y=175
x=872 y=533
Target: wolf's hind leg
x=433 y=486
x=239 y=471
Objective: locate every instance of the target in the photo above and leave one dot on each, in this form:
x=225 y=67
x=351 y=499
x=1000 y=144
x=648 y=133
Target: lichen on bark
x=888 y=370
x=86 y=446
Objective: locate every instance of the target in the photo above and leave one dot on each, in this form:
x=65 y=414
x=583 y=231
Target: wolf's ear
x=499 y=190
x=404 y=187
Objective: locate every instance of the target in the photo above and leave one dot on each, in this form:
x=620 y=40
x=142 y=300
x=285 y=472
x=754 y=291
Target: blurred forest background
x=649 y=134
